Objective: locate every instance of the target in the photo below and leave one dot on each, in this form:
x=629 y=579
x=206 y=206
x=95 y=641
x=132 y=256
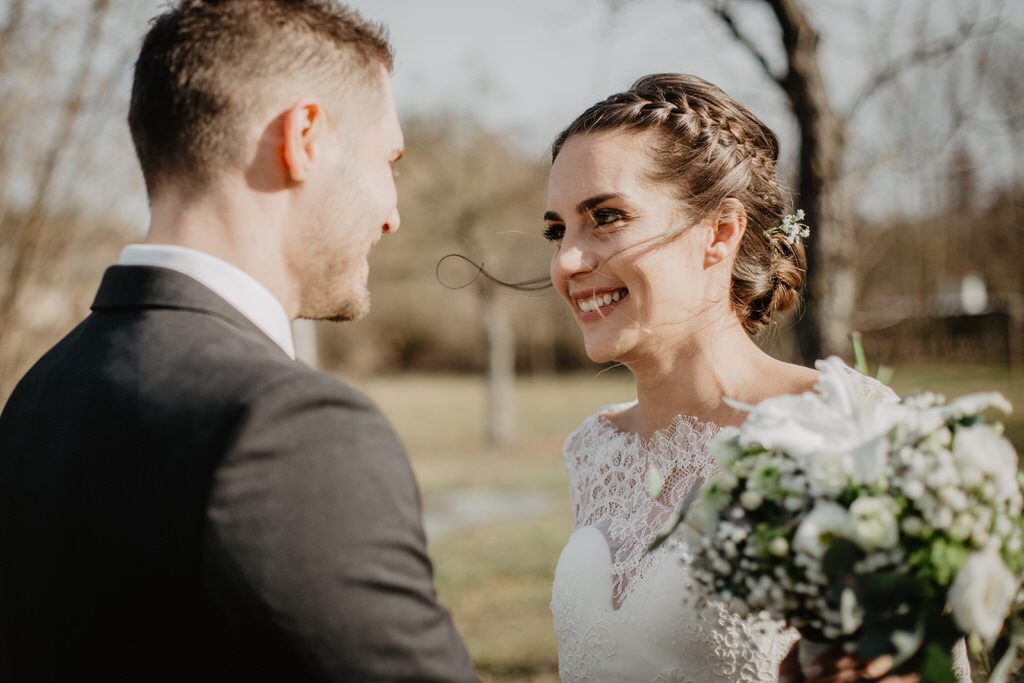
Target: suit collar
x=142 y=287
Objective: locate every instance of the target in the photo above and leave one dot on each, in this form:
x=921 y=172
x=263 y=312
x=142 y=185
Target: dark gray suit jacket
x=180 y=501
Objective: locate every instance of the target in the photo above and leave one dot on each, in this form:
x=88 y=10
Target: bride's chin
x=602 y=353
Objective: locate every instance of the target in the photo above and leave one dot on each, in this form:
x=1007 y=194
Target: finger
x=879 y=666
x=847 y=662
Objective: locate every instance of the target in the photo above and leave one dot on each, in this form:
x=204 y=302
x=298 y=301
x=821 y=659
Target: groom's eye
x=554 y=232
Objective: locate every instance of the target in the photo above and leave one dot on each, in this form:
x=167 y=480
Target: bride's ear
x=727 y=227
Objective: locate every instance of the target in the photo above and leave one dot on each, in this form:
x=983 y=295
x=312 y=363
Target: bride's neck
x=692 y=378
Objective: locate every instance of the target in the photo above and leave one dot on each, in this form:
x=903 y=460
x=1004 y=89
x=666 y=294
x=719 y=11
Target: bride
x=663 y=207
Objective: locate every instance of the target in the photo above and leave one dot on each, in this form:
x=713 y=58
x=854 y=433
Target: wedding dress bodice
x=624 y=614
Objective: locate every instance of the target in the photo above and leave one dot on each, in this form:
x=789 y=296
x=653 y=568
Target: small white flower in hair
x=792 y=228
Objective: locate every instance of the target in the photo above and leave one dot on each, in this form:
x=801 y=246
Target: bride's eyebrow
x=591 y=203
x=586 y=206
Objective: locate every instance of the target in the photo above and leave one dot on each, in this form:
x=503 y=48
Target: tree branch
x=15 y=17
x=27 y=235
x=923 y=54
x=722 y=12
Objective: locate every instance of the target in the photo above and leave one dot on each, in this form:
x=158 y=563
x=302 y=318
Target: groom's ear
x=727 y=228
x=303 y=124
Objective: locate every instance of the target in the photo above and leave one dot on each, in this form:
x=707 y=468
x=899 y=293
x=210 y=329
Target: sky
x=529 y=67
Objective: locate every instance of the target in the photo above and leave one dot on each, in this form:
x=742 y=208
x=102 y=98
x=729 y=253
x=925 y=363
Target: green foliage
x=946 y=559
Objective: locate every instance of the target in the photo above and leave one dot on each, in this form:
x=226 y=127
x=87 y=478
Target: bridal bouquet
x=892 y=528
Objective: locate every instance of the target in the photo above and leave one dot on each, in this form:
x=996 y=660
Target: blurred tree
x=462 y=190
x=62 y=71
x=831 y=293
x=824 y=134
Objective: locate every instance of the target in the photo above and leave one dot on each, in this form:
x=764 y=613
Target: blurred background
x=901 y=125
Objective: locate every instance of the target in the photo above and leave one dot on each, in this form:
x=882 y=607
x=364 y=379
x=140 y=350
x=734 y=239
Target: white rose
x=826 y=474
x=873 y=522
x=981 y=448
x=823 y=523
x=981 y=594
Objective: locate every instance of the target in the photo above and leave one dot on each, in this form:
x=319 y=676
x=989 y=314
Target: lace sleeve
x=573 y=456
x=585 y=451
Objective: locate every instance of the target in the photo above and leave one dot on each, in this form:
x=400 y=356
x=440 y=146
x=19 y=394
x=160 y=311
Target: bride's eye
x=554 y=232
x=603 y=217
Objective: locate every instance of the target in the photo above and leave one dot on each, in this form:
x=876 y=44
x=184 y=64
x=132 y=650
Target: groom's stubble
x=347 y=212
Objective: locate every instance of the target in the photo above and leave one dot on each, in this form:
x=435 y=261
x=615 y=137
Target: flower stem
x=858 y=353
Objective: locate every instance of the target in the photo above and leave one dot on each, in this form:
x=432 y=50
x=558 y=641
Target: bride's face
x=626 y=260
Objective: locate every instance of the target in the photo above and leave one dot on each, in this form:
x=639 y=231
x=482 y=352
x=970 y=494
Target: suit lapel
x=142 y=287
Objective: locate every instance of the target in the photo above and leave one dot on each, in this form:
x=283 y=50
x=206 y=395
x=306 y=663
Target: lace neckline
x=603 y=419
x=608 y=483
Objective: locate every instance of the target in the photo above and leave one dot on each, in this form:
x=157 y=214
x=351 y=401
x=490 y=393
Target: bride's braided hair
x=710 y=148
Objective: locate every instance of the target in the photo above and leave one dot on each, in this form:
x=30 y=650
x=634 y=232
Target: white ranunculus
x=982 y=449
x=873 y=522
x=981 y=594
x=824 y=522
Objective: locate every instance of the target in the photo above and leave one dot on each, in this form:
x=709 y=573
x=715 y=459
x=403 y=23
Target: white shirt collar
x=232 y=284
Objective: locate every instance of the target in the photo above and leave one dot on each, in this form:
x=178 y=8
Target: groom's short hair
x=204 y=65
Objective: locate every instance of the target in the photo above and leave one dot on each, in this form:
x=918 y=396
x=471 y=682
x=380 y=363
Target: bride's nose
x=570 y=261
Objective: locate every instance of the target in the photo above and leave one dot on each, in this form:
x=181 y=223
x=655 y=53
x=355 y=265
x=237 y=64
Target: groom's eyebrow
x=586 y=206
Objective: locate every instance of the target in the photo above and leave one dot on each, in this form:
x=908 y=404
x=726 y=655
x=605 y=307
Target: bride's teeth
x=600 y=300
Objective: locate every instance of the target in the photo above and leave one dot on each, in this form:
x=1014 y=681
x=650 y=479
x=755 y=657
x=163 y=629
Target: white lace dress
x=623 y=614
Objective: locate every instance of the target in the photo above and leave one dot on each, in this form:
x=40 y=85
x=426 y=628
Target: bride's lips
x=597 y=304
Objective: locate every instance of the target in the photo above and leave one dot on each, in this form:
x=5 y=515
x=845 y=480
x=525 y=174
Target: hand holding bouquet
x=891 y=528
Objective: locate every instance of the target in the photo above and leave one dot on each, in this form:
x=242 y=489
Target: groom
x=180 y=500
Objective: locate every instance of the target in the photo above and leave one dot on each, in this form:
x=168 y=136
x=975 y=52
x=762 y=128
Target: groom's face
x=354 y=203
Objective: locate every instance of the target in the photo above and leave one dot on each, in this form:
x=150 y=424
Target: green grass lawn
x=497 y=580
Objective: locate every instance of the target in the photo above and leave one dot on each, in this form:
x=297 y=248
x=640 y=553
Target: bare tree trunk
x=27 y=232
x=501 y=413
x=307 y=348
x=831 y=280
